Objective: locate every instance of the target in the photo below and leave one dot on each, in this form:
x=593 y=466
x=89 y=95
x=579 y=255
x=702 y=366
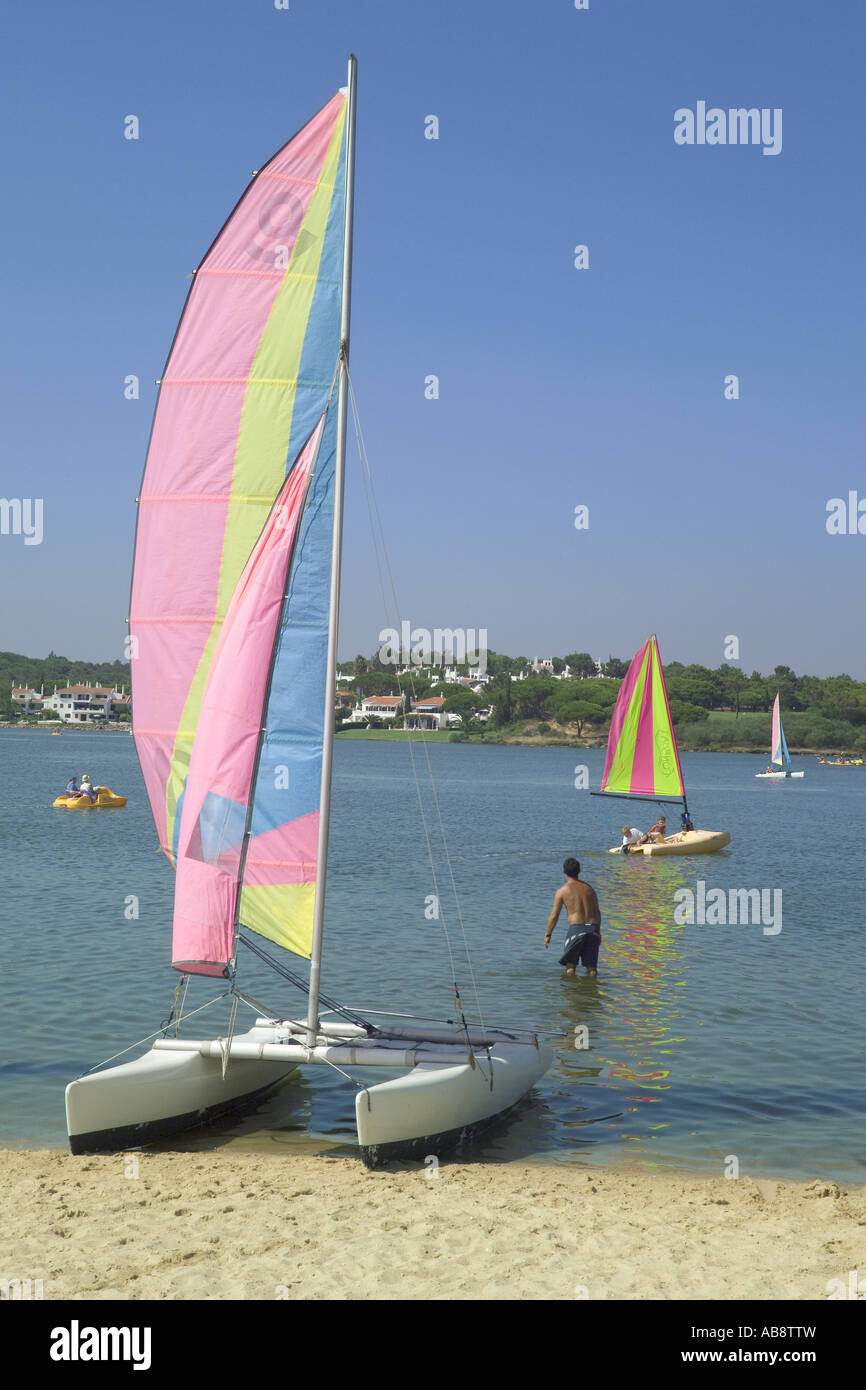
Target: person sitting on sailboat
x=656 y=833
x=630 y=836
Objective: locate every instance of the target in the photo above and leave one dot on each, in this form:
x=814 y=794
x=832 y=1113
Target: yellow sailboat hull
x=686 y=842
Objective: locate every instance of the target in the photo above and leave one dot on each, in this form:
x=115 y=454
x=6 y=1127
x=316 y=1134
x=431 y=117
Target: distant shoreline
x=446 y=736
x=534 y=741
x=68 y=728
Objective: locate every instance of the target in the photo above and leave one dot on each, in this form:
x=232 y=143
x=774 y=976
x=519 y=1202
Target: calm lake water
x=704 y=1040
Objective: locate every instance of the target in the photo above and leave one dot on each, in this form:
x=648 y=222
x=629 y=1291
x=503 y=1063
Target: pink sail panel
x=286 y=854
x=642 y=756
x=776 y=748
x=225 y=428
x=219 y=784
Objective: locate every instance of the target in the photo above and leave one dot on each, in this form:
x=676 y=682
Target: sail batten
x=642 y=758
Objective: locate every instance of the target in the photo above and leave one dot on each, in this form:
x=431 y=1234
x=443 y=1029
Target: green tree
x=531 y=696
x=461 y=701
x=499 y=695
x=730 y=682
x=614 y=667
x=581 y=664
x=693 y=684
x=579 y=712
x=683 y=713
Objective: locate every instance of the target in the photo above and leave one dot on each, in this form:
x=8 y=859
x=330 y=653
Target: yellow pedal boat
x=104 y=798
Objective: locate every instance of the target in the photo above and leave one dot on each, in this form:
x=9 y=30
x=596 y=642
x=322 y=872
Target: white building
x=377 y=707
x=27 y=700
x=428 y=713
x=86 y=704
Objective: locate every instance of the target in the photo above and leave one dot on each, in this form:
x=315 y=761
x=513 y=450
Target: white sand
x=253 y=1226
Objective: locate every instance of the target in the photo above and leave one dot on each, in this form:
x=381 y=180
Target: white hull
x=159 y=1094
x=436 y=1102
x=778 y=776
x=443 y=1095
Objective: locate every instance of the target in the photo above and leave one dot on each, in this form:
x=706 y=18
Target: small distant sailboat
x=234 y=612
x=643 y=761
x=779 y=750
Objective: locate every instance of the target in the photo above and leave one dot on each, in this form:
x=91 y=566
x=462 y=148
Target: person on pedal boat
x=72 y=787
x=87 y=787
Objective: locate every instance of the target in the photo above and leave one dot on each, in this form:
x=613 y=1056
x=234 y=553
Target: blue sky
x=558 y=387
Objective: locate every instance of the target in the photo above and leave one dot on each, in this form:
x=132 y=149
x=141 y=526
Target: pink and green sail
x=642 y=755
x=230 y=598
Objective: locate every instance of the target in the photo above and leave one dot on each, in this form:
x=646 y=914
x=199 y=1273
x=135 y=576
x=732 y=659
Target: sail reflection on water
x=631 y=1011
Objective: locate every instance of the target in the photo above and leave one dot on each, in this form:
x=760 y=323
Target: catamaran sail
x=643 y=761
x=234 y=639
x=247 y=844
x=779 y=754
x=248 y=376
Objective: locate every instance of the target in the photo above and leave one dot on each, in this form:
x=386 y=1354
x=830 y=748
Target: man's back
x=581 y=904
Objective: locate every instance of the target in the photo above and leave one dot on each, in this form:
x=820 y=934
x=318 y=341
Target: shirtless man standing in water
x=584 y=921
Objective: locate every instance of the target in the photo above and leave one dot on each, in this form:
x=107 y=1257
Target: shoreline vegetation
x=527 y=739
x=569 y=701
x=562 y=702
x=563 y=740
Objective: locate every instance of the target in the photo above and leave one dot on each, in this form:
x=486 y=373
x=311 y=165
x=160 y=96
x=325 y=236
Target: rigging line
x=176 y=1009
x=360 y=1085
x=366 y=482
x=226 y=1051
x=366 y=462
x=159 y=1032
x=377 y=534
x=370 y=489
x=348 y=1014
x=366 y=476
x=253 y=1003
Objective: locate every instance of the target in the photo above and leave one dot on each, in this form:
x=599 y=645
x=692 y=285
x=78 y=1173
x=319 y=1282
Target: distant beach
x=242 y=1225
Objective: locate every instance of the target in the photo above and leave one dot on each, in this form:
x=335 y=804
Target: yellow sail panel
x=623 y=736
x=667 y=774
x=281 y=912
x=642 y=757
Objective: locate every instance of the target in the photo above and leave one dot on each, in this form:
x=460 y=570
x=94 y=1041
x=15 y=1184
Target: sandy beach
x=260 y=1226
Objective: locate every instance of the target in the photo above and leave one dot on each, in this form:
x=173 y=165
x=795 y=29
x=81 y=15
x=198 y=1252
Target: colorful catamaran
x=643 y=761
x=234 y=642
x=779 y=755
